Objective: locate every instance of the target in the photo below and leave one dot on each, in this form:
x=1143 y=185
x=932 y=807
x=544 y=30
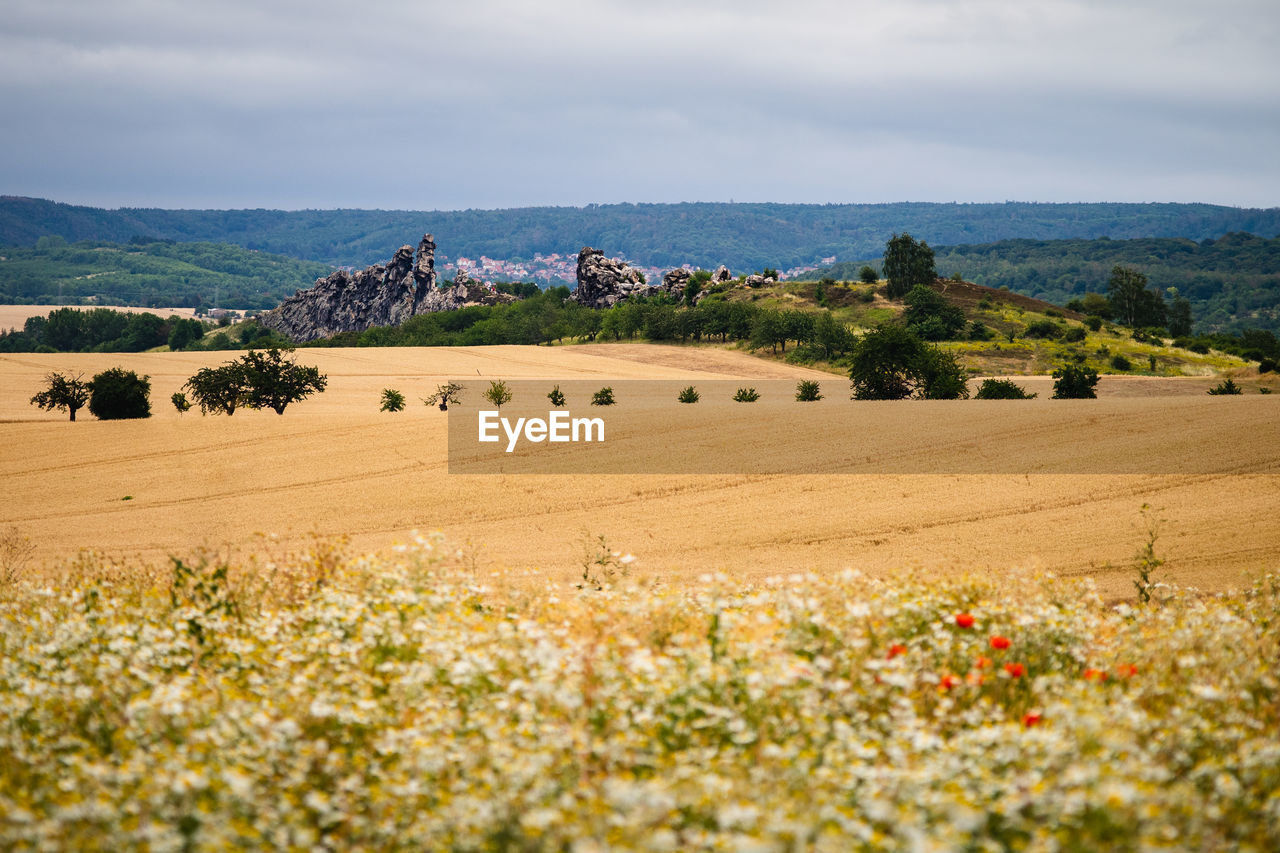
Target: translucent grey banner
x=649 y=430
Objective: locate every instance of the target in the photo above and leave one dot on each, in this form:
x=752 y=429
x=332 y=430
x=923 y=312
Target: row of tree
x=260 y=379
x=102 y=330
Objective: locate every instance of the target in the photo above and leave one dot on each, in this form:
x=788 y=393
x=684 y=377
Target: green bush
x=1074 y=335
x=891 y=363
x=1094 y=323
x=808 y=391
x=1073 y=382
x=1119 y=362
x=746 y=395
x=119 y=394
x=498 y=393
x=1266 y=365
x=603 y=397
x=392 y=400
x=978 y=331
x=556 y=396
x=689 y=395
x=1043 y=329
x=1227 y=386
x=180 y=402
x=1001 y=389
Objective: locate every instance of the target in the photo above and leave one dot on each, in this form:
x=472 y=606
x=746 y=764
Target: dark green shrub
x=746 y=395
x=392 y=401
x=556 y=396
x=1074 y=335
x=1199 y=348
x=891 y=363
x=979 y=332
x=1043 y=329
x=603 y=397
x=1119 y=362
x=689 y=395
x=1266 y=365
x=868 y=275
x=119 y=394
x=1072 y=382
x=1094 y=323
x=180 y=402
x=1227 y=386
x=1001 y=389
x=807 y=391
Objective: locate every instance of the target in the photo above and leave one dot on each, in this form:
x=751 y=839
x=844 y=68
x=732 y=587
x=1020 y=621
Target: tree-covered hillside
x=1232 y=283
x=153 y=274
x=743 y=236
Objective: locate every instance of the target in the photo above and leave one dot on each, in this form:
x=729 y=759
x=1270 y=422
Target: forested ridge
x=745 y=236
x=165 y=273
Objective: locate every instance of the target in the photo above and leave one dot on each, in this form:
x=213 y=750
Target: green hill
x=743 y=236
x=1232 y=282
x=152 y=274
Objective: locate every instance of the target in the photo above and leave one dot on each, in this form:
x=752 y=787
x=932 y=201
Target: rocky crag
x=377 y=296
x=604 y=282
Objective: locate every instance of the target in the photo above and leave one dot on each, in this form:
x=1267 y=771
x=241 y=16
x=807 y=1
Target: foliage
x=498 y=393
x=808 y=391
x=1226 y=387
x=891 y=363
x=603 y=397
x=746 y=395
x=1093 y=323
x=152 y=273
x=1119 y=362
x=274 y=379
x=407 y=703
x=268 y=379
x=445 y=394
x=1146 y=561
x=688 y=395
x=392 y=401
x=63 y=392
x=119 y=394
x=930 y=316
x=1074 y=335
x=1044 y=329
x=1135 y=304
x=868 y=274
x=1001 y=389
x=219 y=389
x=907 y=263
x=1074 y=382
x=556 y=396
x=99 y=330
x=180 y=402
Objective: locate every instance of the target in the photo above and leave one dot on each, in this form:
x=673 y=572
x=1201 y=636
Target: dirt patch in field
x=335 y=465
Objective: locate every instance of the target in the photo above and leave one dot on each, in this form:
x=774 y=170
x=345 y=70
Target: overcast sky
x=416 y=104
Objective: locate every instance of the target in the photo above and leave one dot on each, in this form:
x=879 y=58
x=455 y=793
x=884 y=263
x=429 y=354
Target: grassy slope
x=1005 y=313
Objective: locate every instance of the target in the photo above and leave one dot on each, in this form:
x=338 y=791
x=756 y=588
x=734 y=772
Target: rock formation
x=721 y=274
x=604 y=282
x=674 y=282
x=376 y=296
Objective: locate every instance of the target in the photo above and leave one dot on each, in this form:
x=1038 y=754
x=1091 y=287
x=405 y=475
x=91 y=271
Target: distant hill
x=1232 y=282
x=746 y=237
x=150 y=274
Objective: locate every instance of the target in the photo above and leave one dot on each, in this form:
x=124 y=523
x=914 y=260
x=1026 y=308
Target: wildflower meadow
x=409 y=701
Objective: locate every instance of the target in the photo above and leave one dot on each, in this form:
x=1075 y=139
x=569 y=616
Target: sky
x=425 y=105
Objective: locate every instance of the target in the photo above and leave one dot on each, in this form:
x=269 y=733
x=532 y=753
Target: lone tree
x=498 y=393
x=1134 y=304
x=62 y=392
x=445 y=394
x=891 y=363
x=119 y=394
x=1073 y=382
x=906 y=264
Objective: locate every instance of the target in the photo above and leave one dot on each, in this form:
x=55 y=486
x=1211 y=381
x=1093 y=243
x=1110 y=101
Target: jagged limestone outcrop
x=376 y=296
x=604 y=282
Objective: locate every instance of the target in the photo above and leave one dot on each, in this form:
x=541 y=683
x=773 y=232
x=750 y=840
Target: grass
x=409 y=701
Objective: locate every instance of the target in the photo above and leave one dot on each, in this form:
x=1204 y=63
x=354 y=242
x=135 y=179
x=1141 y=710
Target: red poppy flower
x=982 y=663
x=895 y=650
x=1126 y=670
x=998 y=642
x=1031 y=718
x=1094 y=675
x=964 y=620
x=948 y=681
x=1015 y=670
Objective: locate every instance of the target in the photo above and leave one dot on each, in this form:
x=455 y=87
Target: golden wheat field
x=334 y=465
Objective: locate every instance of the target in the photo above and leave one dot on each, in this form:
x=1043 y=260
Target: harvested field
x=334 y=465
